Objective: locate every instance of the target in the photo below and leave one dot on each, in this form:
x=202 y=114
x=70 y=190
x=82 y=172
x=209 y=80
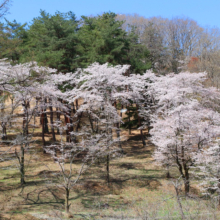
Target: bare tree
x=173 y=42
x=4 y=7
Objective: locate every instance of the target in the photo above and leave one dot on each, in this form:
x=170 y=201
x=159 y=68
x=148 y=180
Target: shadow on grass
x=99 y=203
x=140 y=181
x=93 y=184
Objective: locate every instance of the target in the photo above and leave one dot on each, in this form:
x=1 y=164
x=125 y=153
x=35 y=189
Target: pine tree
x=52 y=40
x=12 y=40
x=102 y=40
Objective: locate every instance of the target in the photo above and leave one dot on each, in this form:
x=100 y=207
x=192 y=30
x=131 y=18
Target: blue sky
x=205 y=12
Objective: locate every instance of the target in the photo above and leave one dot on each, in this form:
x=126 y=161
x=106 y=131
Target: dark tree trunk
x=72 y=113
x=77 y=106
x=22 y=171
x=67 y=205
x=4 y=131
x=21 y=164
x=78 y=124
x=129 y=121
x=74 y=110
x=168 y=176
x=141 y=131
x=97 y=126
x=25 y=105
x=121 y=111
x=43 y=132
x=46 y=129
x=91 y=122
x=186 y=183
x=184 y=171
x=51 y=121
x=142 y=136
x=12 y=112
x=67 y=122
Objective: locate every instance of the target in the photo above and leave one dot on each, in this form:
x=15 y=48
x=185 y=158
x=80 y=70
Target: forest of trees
x=71 y=88
x=61 y=41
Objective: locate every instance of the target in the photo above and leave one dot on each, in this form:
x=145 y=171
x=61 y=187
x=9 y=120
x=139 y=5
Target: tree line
x=66 y=43
x=177 y=44
x=61 y=41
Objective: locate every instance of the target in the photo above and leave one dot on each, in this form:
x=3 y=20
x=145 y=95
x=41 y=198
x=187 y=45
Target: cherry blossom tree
x=24 y=82
x=207 y=163
x=184 y=119
x=100 y=88
x=91 y=147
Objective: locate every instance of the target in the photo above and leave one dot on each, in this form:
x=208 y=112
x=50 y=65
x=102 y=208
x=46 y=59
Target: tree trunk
x=141 y=131
x=129 y=121
x=168 y=176
x=4 y=131
x=179 y=202
x=36 y=104
x=74 y=110
x=51 y=122
x=12 y=112
x=71 y=117
x=58 y=119
x=91 y=122
x=26 y=105
x=22 y=171
x=67 y=122
x=22 y=166
x=25 y=118
x=3 y=124
x=67 y=205
x=121 y=111
x=77 y=106
x=42 y=124
x=78 y=124
x=21 y=163
x=46 y=129
x=186 y=182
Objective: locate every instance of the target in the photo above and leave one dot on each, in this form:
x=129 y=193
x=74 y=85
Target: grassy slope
x=138 y=187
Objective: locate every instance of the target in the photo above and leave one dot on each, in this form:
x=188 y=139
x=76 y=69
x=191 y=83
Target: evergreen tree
x=13 y=38
x=139 y=56
x=52 y=40
x=102 y=40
